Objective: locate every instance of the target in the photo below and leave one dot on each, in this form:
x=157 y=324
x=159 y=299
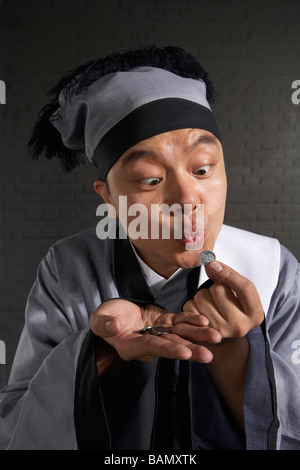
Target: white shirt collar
x=154 y=280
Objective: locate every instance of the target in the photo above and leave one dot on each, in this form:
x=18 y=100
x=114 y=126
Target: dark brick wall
x=250 y=48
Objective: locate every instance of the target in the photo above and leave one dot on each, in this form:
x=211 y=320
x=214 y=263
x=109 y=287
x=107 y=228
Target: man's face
x=185 y=166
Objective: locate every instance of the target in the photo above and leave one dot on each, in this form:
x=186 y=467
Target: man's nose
x=182 y=190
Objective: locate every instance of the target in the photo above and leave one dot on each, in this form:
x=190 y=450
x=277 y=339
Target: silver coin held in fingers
x=206 y=257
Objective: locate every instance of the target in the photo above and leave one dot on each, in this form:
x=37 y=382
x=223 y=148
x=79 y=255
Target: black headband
x=124 y=108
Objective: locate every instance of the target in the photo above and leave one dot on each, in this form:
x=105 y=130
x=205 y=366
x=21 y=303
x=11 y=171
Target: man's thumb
x=111 y=327
x=104 y=325
x=213 y=267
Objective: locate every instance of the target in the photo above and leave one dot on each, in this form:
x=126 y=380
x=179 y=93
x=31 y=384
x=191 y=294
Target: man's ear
x=101 y=188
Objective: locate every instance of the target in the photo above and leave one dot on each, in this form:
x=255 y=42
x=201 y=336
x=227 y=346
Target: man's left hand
x=231 y=305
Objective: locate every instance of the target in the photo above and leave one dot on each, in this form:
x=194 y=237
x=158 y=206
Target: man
x=86 y=374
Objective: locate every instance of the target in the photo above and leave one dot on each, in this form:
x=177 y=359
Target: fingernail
x=215 y=266
x=111 y=328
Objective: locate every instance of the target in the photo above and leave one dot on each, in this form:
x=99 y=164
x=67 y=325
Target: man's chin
x=188 y=258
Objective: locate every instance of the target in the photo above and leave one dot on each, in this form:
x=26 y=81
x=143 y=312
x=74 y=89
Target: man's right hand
x=119 y=321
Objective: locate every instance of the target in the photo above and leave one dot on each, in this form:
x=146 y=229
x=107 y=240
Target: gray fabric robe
x=76 y=276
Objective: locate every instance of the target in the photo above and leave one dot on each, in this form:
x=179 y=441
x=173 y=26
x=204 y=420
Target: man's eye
x=150 y=181
x=203 y=170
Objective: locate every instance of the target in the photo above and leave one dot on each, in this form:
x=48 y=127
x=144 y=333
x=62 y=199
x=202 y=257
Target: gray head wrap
x=121 y=109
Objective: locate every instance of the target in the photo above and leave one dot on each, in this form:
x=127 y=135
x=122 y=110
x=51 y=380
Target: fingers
x=113 y=316
x=169 y=346
x=191 y=316
x=196 y=334
x=187 y=340
x=223 y=310
x=231 y=305
x=105 y=325
x=199 y=353
x=119 y=321
x=244 y=289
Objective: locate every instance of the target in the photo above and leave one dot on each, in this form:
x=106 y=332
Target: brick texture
x=250 y=48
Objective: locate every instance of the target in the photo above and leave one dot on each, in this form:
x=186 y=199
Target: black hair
x=46 y=139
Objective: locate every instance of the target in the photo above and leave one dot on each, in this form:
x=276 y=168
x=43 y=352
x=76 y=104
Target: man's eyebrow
x=205 y=139
x=135 y=155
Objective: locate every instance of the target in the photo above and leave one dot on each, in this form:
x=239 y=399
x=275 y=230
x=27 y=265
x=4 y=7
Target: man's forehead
x=186 y=138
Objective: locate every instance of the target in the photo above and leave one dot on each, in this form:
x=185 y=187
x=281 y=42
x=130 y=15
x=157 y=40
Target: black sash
x=172 y=381
x=172 y=399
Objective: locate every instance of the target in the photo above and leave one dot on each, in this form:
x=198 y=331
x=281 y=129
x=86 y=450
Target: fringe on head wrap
x=46 y=140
